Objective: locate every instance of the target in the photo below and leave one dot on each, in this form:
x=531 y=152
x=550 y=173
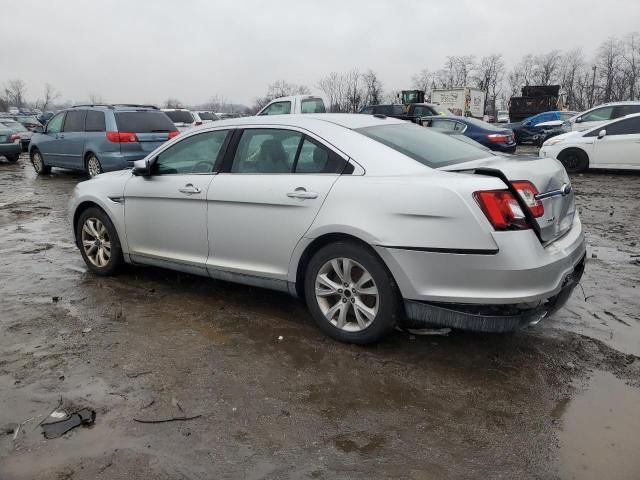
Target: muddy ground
x=559 y=400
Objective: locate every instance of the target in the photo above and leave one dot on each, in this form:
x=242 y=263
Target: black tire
x=37 y=160
x=13 y=158
x=93 y=166
x=116 y=260
x=388 y=299
x=574 y=161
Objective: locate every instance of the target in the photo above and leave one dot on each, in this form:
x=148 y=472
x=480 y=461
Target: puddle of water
x=600 y=433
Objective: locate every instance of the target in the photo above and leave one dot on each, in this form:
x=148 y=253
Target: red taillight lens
x=198 y=123
x=122 y=137
x=498 y=138
x=528 y=192
x=14 y=137
x=173 y=133
x=502 y=209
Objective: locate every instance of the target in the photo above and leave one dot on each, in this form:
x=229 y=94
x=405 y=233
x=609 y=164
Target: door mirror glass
x=602 y=133
x=579 y=120
x=142 y=168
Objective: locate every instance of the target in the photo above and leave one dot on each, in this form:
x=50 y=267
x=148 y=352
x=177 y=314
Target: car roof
x=294 y=97
x=175 y=109
x=307 y=120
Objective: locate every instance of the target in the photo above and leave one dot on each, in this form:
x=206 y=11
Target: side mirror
x=142 y=168
x=38 y=129
x=602 y=133
x=579 y=120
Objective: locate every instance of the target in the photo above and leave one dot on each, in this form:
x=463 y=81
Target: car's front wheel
x=574 y=161
x=98 y=241
x=351 y=294
x=38 y=163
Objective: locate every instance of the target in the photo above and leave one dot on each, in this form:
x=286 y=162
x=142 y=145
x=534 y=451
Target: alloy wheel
x=37 y=162
x=93 y=166
x=96 y=242
x=346 y=294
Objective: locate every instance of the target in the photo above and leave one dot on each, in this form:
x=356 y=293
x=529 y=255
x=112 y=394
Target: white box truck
x=463 y=101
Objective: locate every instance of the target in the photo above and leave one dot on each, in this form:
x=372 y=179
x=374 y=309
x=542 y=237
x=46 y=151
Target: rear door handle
x=60 y=135
x=189 y=189
x=302 y=193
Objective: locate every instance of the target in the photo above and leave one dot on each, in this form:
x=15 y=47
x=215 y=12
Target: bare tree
x=631 y=62
x=50 y=96
x=172 y=103
x=488 y=77
x=372 y=88
x=15 y=92
x=334 y=87
x=546 y=67
x=608 y=62
x=95 y=98
x=280 y=88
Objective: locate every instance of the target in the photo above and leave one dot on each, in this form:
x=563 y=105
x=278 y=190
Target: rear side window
x=266 y=151
x=443 y=124
x=95 y=122
x=180 y=116
x=278 y=108
x=312 y=105
x=144 y=122
x=622 y=110
x=315 y=158
x=425 y=145
x=74 y=121
x=629 y=126
x=389 y=109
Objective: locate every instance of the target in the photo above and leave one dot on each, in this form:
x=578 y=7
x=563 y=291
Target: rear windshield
x=17 y=126
x=180 y=116
x=143 y=122
x=313 y=105
x=425 y=145
x=207 y=116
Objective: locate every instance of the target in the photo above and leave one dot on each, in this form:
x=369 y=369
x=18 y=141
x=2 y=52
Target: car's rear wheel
x=93 y=166
x=38 y=163
x=351 y=294
x=574 y=161
x=98 y=241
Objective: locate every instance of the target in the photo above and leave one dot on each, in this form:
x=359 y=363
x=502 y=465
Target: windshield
x=180 y=116
x=17 y=126
x=425 y=145
x=207 y=116
x=312 y=105
x=143 y=122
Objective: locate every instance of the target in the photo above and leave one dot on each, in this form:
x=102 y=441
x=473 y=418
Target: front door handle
x=189 y=189
x=302 y=193
x=60 y=135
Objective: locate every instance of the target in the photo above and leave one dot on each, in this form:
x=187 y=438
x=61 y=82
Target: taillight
x=502 y=209
x=122 y=137
x=198 y=123
x=498 y=138
x=173 y=133
x=528 y=192
x=14 y=137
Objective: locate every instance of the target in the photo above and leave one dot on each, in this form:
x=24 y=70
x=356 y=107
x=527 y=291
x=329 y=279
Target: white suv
x=602 y=114
x=294 y=104
x=182 y=118
x=203 y=117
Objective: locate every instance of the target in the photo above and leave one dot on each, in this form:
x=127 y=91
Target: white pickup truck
x=293 y=104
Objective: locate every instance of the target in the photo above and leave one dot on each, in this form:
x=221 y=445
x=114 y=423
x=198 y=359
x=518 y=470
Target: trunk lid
x=550 y=179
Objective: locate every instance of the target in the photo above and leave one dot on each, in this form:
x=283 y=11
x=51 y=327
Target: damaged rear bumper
x=491 y=318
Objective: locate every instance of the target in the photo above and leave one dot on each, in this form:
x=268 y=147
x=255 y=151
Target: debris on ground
x=55 y=429
x=429 y=331
x=86 y=330
x=166 y=420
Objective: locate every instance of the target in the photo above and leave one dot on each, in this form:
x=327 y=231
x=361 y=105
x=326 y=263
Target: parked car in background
x=503 y=116
x=428 y=237
x=10 y=147
x=601 y=114
x=99 y=138
x=14 y=111
x=411 y=112
x=537 y=128
x=203 y=117
x=293 y=105
x=44 y=117
x=614 y=144
x=29 y=121
x=491 y=136
x=182 y=118
x=24 y=133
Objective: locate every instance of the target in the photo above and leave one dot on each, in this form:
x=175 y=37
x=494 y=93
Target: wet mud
x=552 y=401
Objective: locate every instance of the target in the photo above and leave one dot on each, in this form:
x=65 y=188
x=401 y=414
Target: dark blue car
x=492 y=137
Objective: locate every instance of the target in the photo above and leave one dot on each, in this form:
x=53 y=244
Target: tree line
x=611 y=73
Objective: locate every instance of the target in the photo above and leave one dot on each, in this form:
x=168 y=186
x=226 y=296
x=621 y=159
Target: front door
x=71 y=144
x=49 y=143
x=264 y=201
x=166 y=213
x=620 y=147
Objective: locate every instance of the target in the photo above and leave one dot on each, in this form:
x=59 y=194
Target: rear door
x=166 y=213
x=71 y=145
x=271 y=188
x=620 y=147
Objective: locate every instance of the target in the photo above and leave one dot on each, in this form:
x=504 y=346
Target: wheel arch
x=84 y=206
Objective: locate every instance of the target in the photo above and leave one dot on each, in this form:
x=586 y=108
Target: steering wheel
x=206 y=164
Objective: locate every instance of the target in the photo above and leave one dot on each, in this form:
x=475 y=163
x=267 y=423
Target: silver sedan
x=371 y=220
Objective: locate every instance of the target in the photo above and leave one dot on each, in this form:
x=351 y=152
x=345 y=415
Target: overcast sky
x=147 y=51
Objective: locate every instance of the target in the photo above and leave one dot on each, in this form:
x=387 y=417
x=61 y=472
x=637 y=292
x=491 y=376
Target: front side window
x=95 y=121
x=266 y=150
x=55 y=124
x=278 y=108
x=423 y=145
x=74 y=121
x=194 y=154
x=598 y=115
x=312 y=105
x=315 y=158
